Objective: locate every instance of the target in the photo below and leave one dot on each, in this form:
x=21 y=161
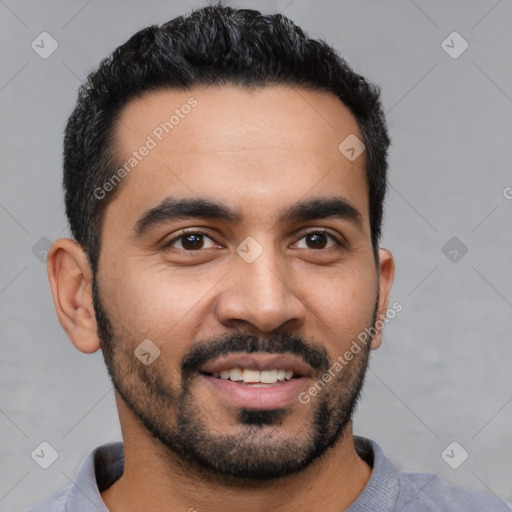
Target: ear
x=386 y=276
x=70 y=279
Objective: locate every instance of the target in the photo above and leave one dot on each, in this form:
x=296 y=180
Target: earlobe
x=70 y=279
x=386 y=276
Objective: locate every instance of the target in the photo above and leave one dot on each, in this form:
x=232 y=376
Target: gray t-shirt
x=387 y=491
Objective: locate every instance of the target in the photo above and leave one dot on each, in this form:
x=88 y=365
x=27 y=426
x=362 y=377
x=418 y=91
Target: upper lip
x=258 y=361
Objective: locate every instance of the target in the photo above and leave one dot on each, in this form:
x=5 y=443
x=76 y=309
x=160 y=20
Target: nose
x=260 y=296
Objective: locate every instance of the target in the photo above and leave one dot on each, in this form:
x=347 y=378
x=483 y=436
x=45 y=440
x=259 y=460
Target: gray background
x=443 y=372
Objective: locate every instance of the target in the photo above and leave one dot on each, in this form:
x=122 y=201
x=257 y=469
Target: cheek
x=342 y=304
x=158 y=303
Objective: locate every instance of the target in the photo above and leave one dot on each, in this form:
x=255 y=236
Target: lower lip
x=266 y=397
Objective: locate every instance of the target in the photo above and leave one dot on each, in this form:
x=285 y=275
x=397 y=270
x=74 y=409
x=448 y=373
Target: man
x=224 y=180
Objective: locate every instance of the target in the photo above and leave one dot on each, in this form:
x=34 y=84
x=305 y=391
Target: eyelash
x=168 y=244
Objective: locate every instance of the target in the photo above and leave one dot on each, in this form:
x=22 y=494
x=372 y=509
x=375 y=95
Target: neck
x=154 y=479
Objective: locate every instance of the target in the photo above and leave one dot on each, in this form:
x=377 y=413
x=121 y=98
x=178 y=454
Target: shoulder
x=54 y=503
x=428 y=493
x=97 y=471
x=393 y=490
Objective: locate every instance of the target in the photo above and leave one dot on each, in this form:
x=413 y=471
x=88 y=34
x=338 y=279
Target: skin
x=258 y=152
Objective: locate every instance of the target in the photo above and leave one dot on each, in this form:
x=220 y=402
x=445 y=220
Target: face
x=239 y=245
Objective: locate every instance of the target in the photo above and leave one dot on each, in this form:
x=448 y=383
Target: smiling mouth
x=252 y=377
x=260 y=381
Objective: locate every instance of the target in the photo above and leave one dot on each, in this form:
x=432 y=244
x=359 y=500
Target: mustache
x=281 y=343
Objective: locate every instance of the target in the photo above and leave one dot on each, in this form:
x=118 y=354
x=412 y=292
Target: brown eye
x=318 y=240
x=190 y=241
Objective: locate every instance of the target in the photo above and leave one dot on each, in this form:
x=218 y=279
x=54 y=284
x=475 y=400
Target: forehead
x=252 y=148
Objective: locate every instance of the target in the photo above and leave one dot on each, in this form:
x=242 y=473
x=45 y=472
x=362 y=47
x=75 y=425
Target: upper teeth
x=264 y=376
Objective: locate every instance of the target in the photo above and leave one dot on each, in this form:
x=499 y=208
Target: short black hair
x=214 y=45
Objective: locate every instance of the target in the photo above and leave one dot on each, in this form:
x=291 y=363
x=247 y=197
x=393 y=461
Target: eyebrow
x=174 y=209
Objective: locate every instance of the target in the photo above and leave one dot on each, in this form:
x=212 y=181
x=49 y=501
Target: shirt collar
x=382 y=490
x=98 y=471
x=105 y=464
